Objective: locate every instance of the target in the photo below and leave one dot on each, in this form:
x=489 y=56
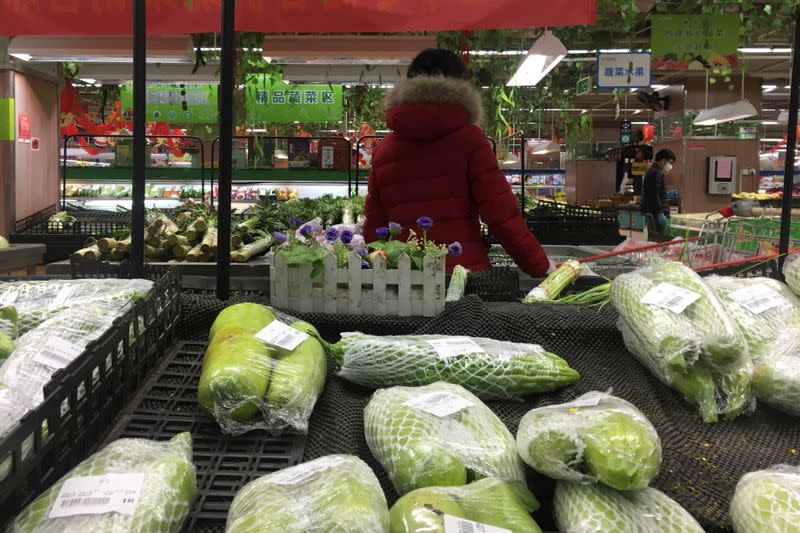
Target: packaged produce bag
x=487 y=502
x=596 y=437
x=791 y=271
x=555 y=283
x=767 y=315
x=130 y=485
x=335 y=493
x=261 y=371
x=596 y=508
x=676 y=326
x=488 y=368
x=767 y=500
x=438 y=435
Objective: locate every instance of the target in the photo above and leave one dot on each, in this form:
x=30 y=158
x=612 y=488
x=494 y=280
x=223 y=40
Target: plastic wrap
x=791 y=271
x=458 y=283
x=488 y=368
x=580 y=508
x=8 y=331
x=596 y=437
x=130 y=485
x=489 y=502
x=335 y=493
x=12 y=408
x=438 y=435
x=767 y=500
x=261 y=371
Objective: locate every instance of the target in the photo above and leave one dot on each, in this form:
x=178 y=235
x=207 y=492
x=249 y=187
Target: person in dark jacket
x=654 y=188
x=438 y=163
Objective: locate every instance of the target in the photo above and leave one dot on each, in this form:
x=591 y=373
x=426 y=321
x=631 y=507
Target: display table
x=21 y=257
x=255 y=268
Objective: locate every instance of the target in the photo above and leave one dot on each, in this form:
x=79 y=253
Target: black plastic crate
x=548 y=210
x=83 y=400
x=496 y=285
x=576 y=232
x=168 y=406
x=26 y=224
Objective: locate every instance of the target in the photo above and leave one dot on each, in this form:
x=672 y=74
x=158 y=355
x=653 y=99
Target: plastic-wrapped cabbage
x=488 y=368
x=580 y=508
x=596 y=437
x=130 y=485
x=336 y=493
x=767 y=500
x=438 y=435
x=8 y=331
x=791 y=271
x=261 y=372
x=490 y=501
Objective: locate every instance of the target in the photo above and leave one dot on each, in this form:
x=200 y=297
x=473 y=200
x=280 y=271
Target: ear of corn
x=555 y=283
x=458 y=283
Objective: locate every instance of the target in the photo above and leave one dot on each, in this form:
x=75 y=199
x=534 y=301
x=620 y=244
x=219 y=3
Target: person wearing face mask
x=654 y=188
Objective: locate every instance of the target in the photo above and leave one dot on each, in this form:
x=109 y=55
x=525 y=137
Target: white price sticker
x=670 y=297
x=280 y=335
x=453 y=524
x=758 y=298
x=57 y=353
x=448 y=347
x=296 y=474
x=109 y=493
x=8 y=297
x=439 y=404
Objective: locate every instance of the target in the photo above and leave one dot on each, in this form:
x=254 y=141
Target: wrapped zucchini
x=767 y=500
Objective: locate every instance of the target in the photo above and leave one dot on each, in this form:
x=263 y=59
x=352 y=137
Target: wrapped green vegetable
x=791 y=271
x=767 y=500
x=556 y=282
x=458 y=283
x=487 y=368
x=438 y=435
x=490 y=501
x=336 y=493
x=250 y=382
x=596 y=437
x=9 y=330
x=130 y=485
x=580 y=508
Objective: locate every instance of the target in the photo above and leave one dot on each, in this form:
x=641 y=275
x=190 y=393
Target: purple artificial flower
x=360 y=250
x=455 y=249
x=395 y=229
x=279 y=237
x=425 y=223
x=306 y=230
x=382 y=232
x=346 y=236
x=331 y=234
x=365 y=265
x=295 y=222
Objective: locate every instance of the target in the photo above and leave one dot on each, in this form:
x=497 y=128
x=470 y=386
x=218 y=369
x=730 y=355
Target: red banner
x=113 y=17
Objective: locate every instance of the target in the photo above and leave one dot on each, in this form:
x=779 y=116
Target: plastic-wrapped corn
x=791 y=271
x=580 y=508
x=336 y=493
x=458 y=283
x=596 y=437
x=490 y=502
x=130 y=485
x=261 y=372
x=767 y=501
x=438 y=435
x=488 y=368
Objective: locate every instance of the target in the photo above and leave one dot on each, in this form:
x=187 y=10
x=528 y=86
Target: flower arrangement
x=416 y=248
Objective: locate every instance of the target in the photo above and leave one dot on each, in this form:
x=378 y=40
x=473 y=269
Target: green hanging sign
x=677 y=40
x=269 y=100
x=181 y=103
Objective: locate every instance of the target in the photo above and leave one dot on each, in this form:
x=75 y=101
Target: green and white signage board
x=268 y=100
x=183 y=103
x=677 y=39
x=747 y=133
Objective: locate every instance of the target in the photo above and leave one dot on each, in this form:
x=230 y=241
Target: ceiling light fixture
x=725 y=113
x=768 y=88
x=544 y=55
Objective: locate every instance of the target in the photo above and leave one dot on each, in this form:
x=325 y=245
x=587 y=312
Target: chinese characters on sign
x=631 y=70
x=677 y=40
x=269 y=100
x=176 y=102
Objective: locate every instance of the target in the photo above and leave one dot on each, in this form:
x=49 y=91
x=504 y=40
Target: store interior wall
x=7 y=199
x=589 y=179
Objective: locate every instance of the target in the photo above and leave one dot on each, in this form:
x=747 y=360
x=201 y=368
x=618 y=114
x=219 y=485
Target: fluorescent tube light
x=544 y=55
x=768 y=88
x=725 y=113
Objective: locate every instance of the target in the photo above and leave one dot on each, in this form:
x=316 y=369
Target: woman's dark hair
x=437 y=62
x=665 y=154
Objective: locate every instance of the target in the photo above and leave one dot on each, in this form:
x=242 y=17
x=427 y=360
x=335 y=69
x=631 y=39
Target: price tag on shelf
x=758 y=298
x=448 y=347
x=453 y=524
x=57 y=353
x=117 y=493
x=670 y=297
x=280 y=335
x=439 y=404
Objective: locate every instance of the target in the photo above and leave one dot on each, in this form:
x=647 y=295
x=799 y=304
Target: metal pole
x=225 y=150
x=139 y=140
x=788 y=173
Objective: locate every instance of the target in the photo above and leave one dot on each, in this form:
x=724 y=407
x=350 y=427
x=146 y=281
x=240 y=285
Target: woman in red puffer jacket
x=438 y=163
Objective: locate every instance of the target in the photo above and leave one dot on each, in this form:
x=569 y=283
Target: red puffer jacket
x=438 y=163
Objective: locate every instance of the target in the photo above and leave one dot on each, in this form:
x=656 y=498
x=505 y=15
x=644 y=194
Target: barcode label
x=454 y=524
x=454 y=346
x=439 y=404
x=758 y=298
x=280 y=335
x=8 y=297
x=88 y=495
x=297 y=474
x=670 y=297
x=57 y=353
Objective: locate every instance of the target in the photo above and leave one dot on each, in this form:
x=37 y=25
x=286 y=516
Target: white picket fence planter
x=357 y=291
